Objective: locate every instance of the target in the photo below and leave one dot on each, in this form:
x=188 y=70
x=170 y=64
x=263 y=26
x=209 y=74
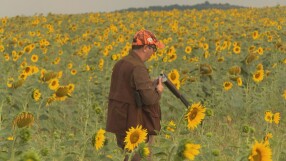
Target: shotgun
x=173 y=89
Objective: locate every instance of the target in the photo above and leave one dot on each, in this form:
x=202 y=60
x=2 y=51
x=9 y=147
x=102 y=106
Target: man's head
x=146 y=42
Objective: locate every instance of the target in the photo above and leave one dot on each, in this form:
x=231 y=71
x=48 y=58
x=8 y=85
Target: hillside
x=205 y=5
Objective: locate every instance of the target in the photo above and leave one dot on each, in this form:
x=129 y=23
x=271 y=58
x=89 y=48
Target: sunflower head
x=250 y=58
x=143 y=150
x=18 y=83
x=36 y=95
x=24 y=119
x=30 y=156
x=260 y=152
x=195 y=115
x=47 y=76
x=227 y=85
x=98 y=139
x=134 y=137
x=276 y=118
x=187 y=150
x=206 y=69
x=258 y=76
x=268 y=117
x=62 y=91
x=235 y=70
x=54 y=84
x=174 y=75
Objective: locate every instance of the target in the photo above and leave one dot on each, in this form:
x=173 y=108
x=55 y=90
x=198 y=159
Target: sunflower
x=267 y=137
x=205 y=46
x=101 y=64
x=114 y=57
x=194 y=59
x=7 y=57
x=236 y=49
x=206 y=69
x=87 y=68
x=284 y=94
x=71 y=87
x=250 y=58
x=171 y=126
x=28 y=70
x=73 y=71
x=61 y=93
x=220 y=59
x=260 y=152
x=34 y=58
x=36 y=95
x=23 y=64
x=188 y=49
x=206 y=54
x=146 y=152
x=258 y=76
x=191 y=150
x=54 y=84
x=98 y=139
x=10 y=82
x=143 y=150
x=234 y=70
x=164 y=59
x=174 y=75
x=50 y=100
x=195 y=115
x=227 y=86
x=172 y=57
x=239 y=81
x=23 y=76
x=35 y=69
x=134 y=137
x=187 y=150
x=259 y=66
x=28 y=49
x=18 y=83
x=60 y=52
x=276 y=118
x=255 y=35
x=57 y=60
x=260 y=51
x=268 y=115
x=177 y=84
x=251 y=48
x=70 y=65
x=24 y=119
x=47 y=76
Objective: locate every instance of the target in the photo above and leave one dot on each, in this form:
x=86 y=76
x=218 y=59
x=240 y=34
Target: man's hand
x=160 y=87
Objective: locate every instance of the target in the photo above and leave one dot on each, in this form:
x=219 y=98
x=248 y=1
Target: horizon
x=12 y=8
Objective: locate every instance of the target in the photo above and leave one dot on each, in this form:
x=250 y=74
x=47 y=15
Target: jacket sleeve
x=143 y=83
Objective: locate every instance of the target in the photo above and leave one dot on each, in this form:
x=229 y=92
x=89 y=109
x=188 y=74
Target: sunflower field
x=229 y=64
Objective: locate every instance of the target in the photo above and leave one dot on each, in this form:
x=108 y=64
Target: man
x=130 y=77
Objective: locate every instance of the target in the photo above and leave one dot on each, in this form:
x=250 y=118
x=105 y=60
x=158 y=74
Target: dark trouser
x=120 y=142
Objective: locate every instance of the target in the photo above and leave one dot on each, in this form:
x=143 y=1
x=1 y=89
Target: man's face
x=150 y=49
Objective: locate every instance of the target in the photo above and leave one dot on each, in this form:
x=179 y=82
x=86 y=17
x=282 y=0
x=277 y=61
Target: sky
x=12 y=8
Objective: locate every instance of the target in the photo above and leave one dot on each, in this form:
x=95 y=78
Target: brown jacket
x=130 y=74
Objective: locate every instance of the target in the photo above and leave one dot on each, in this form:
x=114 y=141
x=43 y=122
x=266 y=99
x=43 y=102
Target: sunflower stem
x=171 y=152
x=12 y=158
x=131 y=155
x=179 y=123
x=88 y=104
x=1 y=107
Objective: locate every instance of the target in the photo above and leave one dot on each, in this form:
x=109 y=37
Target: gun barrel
x=174 y=90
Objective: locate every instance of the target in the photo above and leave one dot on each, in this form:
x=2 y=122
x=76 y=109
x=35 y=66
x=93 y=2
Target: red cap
x=145 y=37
